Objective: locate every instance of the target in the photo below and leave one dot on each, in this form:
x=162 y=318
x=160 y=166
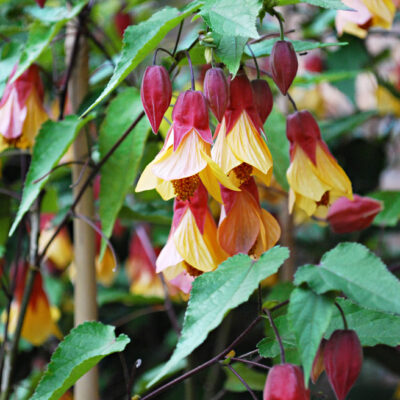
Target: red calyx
x=216 y=91
x=156 y=94
x=241 y=98
x=190 y=112
x=263 y=99
x=347 y=215
x=343 y=359
x=303 y=130
x=285 y=382
x=284 y=64
x=122 y=20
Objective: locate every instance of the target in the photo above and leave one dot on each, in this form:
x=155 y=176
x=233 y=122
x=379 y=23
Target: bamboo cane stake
x=85 y=305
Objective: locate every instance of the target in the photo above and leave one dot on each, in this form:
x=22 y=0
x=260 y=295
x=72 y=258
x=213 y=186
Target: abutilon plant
x=21 y=109
x=192 y=246
x=316 y=180
x=240 y=148
x=185 y=159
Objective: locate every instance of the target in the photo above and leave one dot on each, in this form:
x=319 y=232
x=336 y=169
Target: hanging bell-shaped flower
x=216 y=91
x=263 y=99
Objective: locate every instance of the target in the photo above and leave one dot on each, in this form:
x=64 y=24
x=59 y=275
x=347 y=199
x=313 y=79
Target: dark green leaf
x=309 y=316
x=254 y=378
x=356 y=271
x=114 y=185
x=42 y=33
x=232 y=17
x=81 y=350
x=264 y=48
x=390 y=214
x=140 y=40
x=215 y=293
x=51 y=144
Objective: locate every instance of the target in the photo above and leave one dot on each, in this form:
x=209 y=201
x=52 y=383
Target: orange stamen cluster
x=185 y=188
x=243 y=172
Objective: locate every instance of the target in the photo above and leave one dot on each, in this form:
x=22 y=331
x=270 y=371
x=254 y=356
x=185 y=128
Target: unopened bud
x=156 y=94
x=284 y=64
x=216 y=91
x=343 y=359
x=318 y=363
x=347 y=215
x=263 y=99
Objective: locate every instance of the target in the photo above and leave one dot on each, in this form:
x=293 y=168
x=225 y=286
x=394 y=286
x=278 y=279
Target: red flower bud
x=263 y=99
x=122 y=20
x=302 y=129
x=216 y=91
x=190 y=112
x=343 y=359
x=285 y=382
x=313 y=63
x=283 y=64
x=347 y=215
x=318 y=363
x=40 y=3
x=156 y=94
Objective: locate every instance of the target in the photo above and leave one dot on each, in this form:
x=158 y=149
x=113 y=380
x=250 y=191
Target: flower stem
x=254 y=59
x=191 y=69
x=342 y=315
x=242 y=380
x=278 y=337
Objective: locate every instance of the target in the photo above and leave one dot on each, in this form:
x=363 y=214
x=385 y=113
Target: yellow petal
x=147 y=181
x=303 y=177
x=248 y=146
x=191 y=245
x=383 y=12
x=105 y=269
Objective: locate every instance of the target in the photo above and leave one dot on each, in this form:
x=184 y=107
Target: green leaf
x=254 y=378
x=372 y=327
x=41 y=33
x=81 y=350
x=275 y=129
x=264 y=48
x=114 y=185
x=230 y=49
x=327 y=76
x=215 y=293
x=309 y=315
x=390 y=214
x=51 y=144
x=333 y=4
x=333 y=129
x=139 y=40
x=356 y=271
x=232 y=17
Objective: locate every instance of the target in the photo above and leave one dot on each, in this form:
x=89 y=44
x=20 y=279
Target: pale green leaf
x=140 y=40
x=80 y=351
x=275 y=129
x=51 y=144
x=309 y=316
x=390 y=214
x=264 y=48
x=232 y=17
x=114 y=185
x=230 y=49
x=215 y=293
x=41 y=33
x=357 y=272
x=372 y=327
x=332 y=4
